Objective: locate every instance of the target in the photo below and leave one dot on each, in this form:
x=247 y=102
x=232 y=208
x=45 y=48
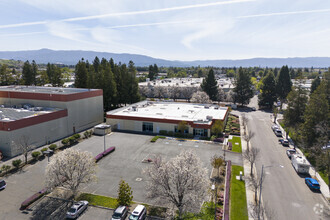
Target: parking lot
x=124 y=163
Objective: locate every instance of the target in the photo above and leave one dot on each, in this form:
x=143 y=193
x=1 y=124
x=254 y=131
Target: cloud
x=130 y=13
x=285 y=13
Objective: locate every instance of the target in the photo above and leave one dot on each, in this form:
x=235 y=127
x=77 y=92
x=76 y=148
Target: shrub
x=65 y=141
x=5 y=168
x=109 y=150
x=170 y=133
x=86 y=134
x=17 y=163
x=52 y=147
x=213 y=137
x=44 y=149
x=32 y=199
x=98 y=157
x=35 y=155
x=163 y=132
x=189 y=136
x=76 y=136
x=72 y=140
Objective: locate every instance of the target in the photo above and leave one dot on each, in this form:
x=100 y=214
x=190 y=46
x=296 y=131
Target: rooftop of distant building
x=42 y=89
x=197 y=113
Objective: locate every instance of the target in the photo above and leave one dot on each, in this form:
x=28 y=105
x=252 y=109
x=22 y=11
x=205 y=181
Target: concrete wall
x=82 y=114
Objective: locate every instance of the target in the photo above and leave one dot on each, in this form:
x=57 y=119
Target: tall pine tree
x=81 y=74
x=210 y=86
x=267 y=97
x=243 y=90
x=27 y=74
x=283 y=84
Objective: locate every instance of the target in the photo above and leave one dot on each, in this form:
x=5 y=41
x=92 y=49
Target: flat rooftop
x=197 y=113
x=12 y=114
x=42 y=89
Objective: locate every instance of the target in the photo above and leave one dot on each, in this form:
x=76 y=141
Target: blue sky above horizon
x=170 y=29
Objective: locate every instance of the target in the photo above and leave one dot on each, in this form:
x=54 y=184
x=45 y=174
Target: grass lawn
x=324 y=177
x=98 y=200
x=238 y=204
x=236 y=147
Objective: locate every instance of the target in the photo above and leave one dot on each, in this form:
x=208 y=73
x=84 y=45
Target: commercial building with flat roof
x=45 y=114
x=152 y=117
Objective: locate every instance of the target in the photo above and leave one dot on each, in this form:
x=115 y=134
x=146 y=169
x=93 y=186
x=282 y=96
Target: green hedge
x=154 y=139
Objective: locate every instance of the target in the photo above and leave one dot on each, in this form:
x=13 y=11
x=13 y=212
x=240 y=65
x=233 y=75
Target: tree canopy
x=267 y=97
x=243 y=90
x=283 y=83
x=210 y=86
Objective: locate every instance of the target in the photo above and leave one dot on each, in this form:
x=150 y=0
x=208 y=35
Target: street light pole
x=262 y=170
x=214 y=188
x=104 y=139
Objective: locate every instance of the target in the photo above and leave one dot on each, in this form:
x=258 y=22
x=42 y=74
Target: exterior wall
x=39 y=134
x=82 y=114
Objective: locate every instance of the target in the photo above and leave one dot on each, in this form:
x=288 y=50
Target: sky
x=170 y=29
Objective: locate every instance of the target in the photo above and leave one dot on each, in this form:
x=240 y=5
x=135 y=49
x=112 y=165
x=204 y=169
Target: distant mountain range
x=71 y=57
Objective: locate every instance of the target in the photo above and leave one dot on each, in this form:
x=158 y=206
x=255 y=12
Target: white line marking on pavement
x=296 y=205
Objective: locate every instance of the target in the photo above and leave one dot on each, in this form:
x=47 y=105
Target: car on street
x=290 y=152
x=3 y=184
x=76 y=209
x=284 y=142
x=275 y=127
x=312 y=183
x=278 y=132
x=120 y=213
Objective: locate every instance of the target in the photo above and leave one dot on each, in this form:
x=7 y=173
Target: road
x=284 y=190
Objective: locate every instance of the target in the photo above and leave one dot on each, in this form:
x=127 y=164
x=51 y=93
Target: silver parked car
x=120 y=213
x=76 y=209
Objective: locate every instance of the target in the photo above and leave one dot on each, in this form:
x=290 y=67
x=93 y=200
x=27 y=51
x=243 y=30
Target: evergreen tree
x=133 y=83
x=152 y=72
x=317 y=112
x=283 y=84
x=297 y=100
x=108 y=86
x=315 y=83
x=267 y=97
x=27 y=74
x=81 y=74
x=34 y=68
x=243 y=90
x=125 y=192
x=96 y=64
x=54 y=74
x=5 y=77
x=210 y=86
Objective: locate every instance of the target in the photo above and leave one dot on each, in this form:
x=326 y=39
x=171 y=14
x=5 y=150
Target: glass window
x=147 y=127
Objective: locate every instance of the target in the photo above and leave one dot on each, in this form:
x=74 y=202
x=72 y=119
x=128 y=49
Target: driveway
x=131 y=149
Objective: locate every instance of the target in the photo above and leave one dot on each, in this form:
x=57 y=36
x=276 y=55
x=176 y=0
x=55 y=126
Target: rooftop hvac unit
x=209 y=117
x=134 y=108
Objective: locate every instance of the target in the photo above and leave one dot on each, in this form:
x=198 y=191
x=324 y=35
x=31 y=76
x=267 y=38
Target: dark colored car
x=312 y=183
x=278 y=132
x=120 y=213
x=284 y=142
x=2 y=184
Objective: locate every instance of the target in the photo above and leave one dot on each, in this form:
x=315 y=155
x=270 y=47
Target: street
x=284 y=191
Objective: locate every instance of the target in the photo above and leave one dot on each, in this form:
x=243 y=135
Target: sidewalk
x=324 y=187
x=247 y=168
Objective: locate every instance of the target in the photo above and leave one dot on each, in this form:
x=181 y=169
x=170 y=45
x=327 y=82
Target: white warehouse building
x=152 y=117
x=43 y=115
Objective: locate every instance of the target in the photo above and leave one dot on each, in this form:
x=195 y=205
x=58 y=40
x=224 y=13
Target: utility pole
x=262 y=171
x=104 y=138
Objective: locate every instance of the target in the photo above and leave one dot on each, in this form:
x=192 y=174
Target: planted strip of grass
x=154 y=139
x=98 y=200
x=238 y=204
x=236 y=147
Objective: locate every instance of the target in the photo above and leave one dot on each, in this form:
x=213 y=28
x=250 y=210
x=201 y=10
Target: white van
x=139 y=213
x=300 y=164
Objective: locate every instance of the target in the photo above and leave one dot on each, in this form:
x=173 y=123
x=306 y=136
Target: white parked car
x=275 y=127
x=76 y=209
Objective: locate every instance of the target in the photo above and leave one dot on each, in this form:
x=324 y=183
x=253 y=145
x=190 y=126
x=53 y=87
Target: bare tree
x=251 y=155
x=24 y=146
x=247 y=137
x=69 y=169
x=200 y=97
x=254 y=184
x=182 y=181
x=244 y=122
x=175 y=92
x=263 y=212
x=217 y=162
x=187 y=92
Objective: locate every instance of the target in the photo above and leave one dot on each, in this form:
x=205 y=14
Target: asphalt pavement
x=284 y=191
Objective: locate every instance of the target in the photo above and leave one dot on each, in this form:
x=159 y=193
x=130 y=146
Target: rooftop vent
x=158 y=113
x=184 y=116
x=209 y=117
